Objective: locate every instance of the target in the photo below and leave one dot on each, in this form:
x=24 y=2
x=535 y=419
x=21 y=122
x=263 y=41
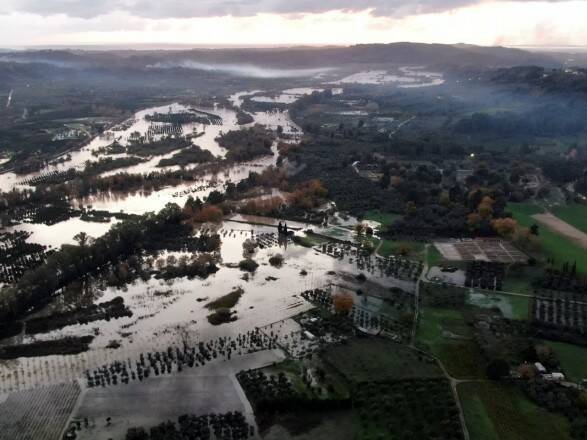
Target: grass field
x=574 y=214
x=433 y=256
x=444 y=332
x=512 y=307
x=309 y=240
x=519 y=279
x=552 y=245
x=392 y=247
x=502 y=412
x=385 y=218
x=377 y=359
x=572 y=359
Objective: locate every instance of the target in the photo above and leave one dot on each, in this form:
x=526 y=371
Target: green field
x=392 y=247
x=377 y=359
x=385 y=218
x=552 y=245
x=512 y=307
x=501 y=412
x=572 y=359
x=433 y=256
x=574 y=214
x=309 y=240
x=444 y=332
x=518 y=279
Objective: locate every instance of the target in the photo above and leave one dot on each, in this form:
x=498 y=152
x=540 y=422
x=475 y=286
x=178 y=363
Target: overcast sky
x=267 y=22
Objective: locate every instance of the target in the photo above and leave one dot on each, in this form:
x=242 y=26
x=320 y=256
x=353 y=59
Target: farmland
x=552 y=245
x=501 y=412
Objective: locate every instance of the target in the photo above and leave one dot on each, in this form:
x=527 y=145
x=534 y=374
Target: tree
x=473 y=221
x=359 y=228
x=343 y=303
x=497 y=369
x=137 y=434
x=209 y=213
x=527 y=371
x=506 y=227
x=485 y=208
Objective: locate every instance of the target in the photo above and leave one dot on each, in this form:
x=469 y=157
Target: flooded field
x=168 y=338
x=405 y=77
x=163 y=311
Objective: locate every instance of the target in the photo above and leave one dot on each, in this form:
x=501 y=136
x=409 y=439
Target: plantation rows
x=271 y=239
x=17 y=255
x=37 y=414
x=560 y=312
x=229 y=426
x=42 y=214
x=485 y=275
x=260 y=386
x=164 y=129
x=393 y=266
x=175 y=359
x=563 y=280
x=51 y=177
x=410 y=409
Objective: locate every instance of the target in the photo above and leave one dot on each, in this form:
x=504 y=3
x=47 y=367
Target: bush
x=248 y=265
x=497 y=369
x=276 y=260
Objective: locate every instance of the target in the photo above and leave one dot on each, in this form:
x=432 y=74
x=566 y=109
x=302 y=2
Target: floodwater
x=406 y=77
x=140 y=202
x=164 y=309
x=161 y=309
x=290 y=96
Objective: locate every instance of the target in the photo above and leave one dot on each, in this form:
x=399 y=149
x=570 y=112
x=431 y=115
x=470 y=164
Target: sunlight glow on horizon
x=486 y=23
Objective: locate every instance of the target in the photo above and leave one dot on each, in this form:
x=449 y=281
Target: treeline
x=107 y=164
x=157 y=148
x=556 y=119
x=187 y=156
x=185 y=118
x=124 y=239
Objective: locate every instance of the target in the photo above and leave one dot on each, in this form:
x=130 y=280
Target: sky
x=291 y=22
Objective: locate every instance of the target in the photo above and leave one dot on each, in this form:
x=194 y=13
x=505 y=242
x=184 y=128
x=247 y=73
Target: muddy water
x=406 y=77
x=140 y=202
x=161 y=308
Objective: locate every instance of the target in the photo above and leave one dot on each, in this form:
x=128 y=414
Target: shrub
x=276 y=260
x=248 y=265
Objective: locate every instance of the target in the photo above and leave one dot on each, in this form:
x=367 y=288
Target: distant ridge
x=455 y=55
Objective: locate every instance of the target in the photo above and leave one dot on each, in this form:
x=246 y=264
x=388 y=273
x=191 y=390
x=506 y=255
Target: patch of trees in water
x=175 y=359
x=113 y=309
x=247 y=143
x=156 y=147
x=222 y=306
x=18 y=256
x=65 y=346
x=201 y=266
x=192 y=117
x=107 y=164
x=187 y=156
x=51 y=178
x=124 y=239
x=113 y=148
x=229 y=426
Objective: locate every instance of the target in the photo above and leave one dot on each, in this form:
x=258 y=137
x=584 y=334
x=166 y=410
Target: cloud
x=245 y=70
x=216 y=8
